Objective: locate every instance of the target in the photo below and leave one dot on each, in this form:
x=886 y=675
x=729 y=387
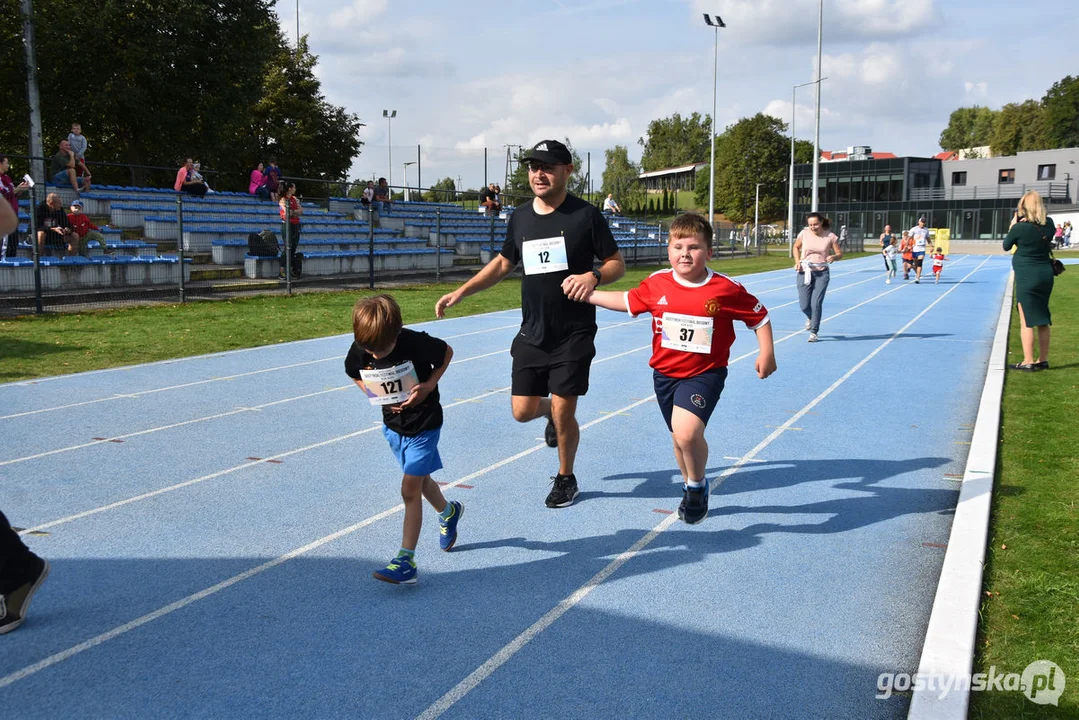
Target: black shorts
x=919 y=258
x=698 y=394
x=560 y=371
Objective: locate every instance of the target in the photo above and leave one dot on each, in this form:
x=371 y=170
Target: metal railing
x=1048 y=190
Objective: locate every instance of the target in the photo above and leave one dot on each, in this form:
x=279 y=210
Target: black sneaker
x=694 y=506
x=14 y=605
x=564 y=491
x=550 y=435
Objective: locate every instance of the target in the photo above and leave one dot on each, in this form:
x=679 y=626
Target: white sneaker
x=808 y=323
x=812 y=337
x=887 y=281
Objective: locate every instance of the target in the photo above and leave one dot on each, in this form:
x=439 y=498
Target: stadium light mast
x=389 y=115
x=790 y=199
x=407 y=192
x=816 y=131
x=712 y=163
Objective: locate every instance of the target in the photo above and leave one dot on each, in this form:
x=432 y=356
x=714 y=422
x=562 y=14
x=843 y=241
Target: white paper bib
x=688 y=333
x=390 y=386
x=545 y=255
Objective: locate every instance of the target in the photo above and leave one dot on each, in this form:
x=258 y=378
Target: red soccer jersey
x=713 y=304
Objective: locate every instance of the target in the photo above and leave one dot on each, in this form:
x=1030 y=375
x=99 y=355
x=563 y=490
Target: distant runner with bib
x=556 y=237
x=919 y=235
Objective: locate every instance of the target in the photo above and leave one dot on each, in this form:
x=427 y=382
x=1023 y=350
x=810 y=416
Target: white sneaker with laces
x=812 y=337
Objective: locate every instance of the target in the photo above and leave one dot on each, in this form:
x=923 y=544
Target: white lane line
x=501 y=657
x=289 y=453
x=241 y=409
x=214 y=589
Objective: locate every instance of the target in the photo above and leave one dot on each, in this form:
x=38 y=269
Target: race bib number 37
x=389 y=386
x=545 y=255
x=688 y=333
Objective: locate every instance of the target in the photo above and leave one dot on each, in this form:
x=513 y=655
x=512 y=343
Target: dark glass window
x=1006 y=177
x=1047 y=172
x=959 y=178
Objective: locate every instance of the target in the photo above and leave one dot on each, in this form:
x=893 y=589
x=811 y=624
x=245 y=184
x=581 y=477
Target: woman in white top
x=814 y=249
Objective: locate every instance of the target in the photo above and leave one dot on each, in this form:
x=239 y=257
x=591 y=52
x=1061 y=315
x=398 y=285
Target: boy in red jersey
x=693 y=312
x=938 y=264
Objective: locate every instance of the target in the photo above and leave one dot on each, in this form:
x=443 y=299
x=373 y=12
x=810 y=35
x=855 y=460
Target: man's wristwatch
x=599 y=276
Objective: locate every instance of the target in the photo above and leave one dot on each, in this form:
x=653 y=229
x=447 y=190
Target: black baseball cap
x=551 y=152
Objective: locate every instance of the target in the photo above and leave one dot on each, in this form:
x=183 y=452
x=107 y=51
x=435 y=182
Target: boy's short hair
x=376 y=322
x=691 y=225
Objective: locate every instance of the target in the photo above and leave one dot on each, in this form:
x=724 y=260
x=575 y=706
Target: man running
x=556 y=237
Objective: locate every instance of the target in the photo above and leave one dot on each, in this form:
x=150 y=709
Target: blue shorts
x=61 y=179
x=698 y=394
x=417 y=455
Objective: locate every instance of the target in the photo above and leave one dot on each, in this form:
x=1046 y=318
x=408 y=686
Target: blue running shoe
x=694 y=506
x=447 y=527
x=400 y=571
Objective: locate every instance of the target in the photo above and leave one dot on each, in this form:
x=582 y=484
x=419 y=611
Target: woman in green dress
x=1031 y=234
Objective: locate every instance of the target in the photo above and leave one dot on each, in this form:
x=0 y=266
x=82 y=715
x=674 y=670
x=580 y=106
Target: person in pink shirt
x=257 y=185
x=186 y=180
x=814 y=250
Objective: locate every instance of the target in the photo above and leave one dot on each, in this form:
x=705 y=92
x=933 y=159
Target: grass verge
x=1030 y=601
x=45 y=345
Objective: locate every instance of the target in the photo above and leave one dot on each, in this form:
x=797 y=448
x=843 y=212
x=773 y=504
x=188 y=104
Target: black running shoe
x=694 y=506
x=14 y=605
x=564 y=491
x=550 y=435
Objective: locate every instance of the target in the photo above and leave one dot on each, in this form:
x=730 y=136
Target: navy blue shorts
x=417 y=455
x=699 y=394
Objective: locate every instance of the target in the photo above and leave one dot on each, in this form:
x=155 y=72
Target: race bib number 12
x=389 y=386
x=545 y=255
x=688 y=333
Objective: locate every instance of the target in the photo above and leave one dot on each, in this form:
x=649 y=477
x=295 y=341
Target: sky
x=466 y=76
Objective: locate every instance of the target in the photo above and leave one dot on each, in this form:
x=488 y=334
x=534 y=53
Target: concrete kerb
x=948 y=651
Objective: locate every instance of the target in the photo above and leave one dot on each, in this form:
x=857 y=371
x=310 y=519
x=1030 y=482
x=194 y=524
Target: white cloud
x=978 y=90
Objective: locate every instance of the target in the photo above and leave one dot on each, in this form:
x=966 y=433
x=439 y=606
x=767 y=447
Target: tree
x=674 y=141
x=1019 y=127
x=620 y=178
x=753 y=150
x=967 y=128
x=444 y=191
x=153 y=82
x=1061 y=105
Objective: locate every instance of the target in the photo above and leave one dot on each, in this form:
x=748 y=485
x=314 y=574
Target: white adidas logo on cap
x=542 y=146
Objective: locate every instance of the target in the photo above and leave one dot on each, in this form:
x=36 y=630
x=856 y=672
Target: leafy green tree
x=1061 y=105
x=620 y=178
x=442 y=191
x=968 y=128
x=1019 y=127
x=676 y=141
x=153 y=82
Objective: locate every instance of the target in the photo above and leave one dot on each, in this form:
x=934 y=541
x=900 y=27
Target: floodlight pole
x=715 y=79
x=816 y=130
x=389 y=115
x=790 y=199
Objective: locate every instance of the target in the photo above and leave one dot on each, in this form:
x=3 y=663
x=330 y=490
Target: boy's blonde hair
x=691 y=225
x=376 y=322
x=1032 y=208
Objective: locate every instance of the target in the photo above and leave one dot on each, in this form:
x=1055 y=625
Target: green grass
x=57 y=344
x=1030 y=602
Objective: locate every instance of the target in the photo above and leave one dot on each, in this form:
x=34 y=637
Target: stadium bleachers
x=336 y=240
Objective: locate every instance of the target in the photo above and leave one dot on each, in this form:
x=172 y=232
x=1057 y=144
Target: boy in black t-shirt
x=399 y=369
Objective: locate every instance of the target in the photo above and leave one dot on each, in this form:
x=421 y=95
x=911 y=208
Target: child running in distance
x=399 y=369
x=693 y=312
x=890 y=261
x=938 y=264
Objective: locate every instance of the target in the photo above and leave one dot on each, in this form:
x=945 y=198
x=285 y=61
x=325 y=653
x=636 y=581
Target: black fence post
x=491 y=243
x=289 y=250
x=180 y=243
x=39 y=305
x=371 y=252
x=438 y=245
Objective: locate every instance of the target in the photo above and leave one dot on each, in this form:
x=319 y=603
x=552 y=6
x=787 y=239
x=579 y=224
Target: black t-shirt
x=487 y=194
x=548 y=316
x=48 y=217
x=426 y=353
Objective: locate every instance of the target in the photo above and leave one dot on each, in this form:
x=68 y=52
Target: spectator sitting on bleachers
x=368 y=194
x=62 y=168
x=610 y=206
x=9 y=243
x=196 y=174
x=53 y=229
x=186 y=182
x=257 y=185
x=79 y=145
x=84 y=227
x=272 y=173
x=383 y=196
x=489 y=200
